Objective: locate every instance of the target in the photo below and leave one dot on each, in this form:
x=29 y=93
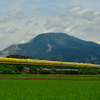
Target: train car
x=45 y=63
x=10 y=61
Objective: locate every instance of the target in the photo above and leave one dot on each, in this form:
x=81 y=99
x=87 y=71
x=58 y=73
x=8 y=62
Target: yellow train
x=45 y=63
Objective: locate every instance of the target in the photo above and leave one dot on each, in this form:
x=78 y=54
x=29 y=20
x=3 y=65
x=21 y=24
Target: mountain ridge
x=71 y=48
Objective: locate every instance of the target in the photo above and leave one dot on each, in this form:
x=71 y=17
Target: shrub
x=32 y=67
x=45 y=72
x=87 y=71
x=53 y=68
x=7 y=69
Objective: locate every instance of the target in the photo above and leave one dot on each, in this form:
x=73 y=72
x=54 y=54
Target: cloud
x=22 y=41
x=40 y=8
x=82 y=23
x=28 y=22
x=13 y=15
x=22 y=20
x=98 y=42
x=4 y=16
x=20 y=15
x=36 y=24
x=10 y=30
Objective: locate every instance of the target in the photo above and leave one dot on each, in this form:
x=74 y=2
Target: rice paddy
x=48 y=76
x=49 y=89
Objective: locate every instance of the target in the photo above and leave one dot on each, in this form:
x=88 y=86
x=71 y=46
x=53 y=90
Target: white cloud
x=98 y=42
x=82 y=23
x=10 y=30
x=28 y=22
x=20 y=15
x=22 y=20
x=40 y=8
x=22 y=41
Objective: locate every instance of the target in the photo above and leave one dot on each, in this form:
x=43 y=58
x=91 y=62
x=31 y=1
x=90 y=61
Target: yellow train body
x=45 y=63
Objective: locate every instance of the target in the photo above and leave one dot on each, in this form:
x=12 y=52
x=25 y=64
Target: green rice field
x=21 y=89
x=48 y=76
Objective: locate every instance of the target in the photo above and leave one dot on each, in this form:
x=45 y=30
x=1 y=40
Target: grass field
x=49 y=90
x=49 y=76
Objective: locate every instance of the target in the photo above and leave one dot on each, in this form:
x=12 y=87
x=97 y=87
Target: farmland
x=48 y=76
x=49 y=90
x=21 y=89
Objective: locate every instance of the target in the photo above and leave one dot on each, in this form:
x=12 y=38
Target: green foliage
x=98 y=71
x=13 y=69
x=88 y=71
x=45 y=72
x=19 y=56
x=53 y=68
x=71 y=72
x=40 y=67
x=33 y=67
x=8 y=69
x=2 y=67
x=20 y=65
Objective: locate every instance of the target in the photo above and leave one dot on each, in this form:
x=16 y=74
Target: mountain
x=71 y=48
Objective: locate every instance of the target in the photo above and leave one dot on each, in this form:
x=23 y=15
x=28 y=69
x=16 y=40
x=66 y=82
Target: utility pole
x=61 y=57
x=26 y=61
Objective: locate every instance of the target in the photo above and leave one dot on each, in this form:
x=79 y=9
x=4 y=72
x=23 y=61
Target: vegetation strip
x=76 y=79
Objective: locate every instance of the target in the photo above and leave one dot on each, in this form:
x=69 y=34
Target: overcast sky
x=22 y=20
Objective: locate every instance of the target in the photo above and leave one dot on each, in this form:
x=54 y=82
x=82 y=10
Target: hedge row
x=16 y=69
x=33 y=69
x=8 y=69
